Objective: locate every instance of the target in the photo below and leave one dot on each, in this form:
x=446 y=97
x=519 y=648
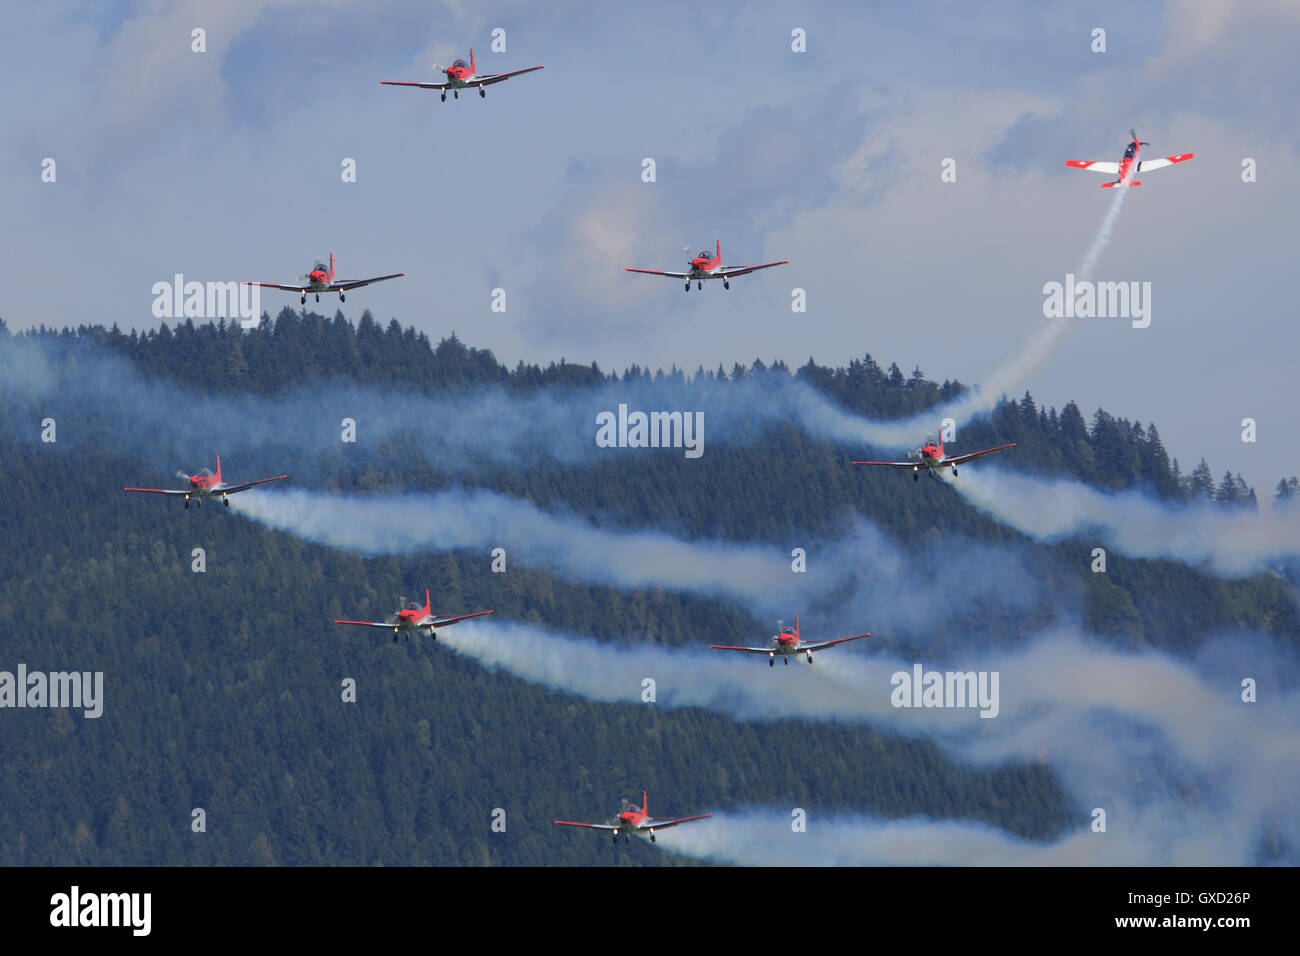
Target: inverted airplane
x=1130 y=164
x=788 y=644
x=207 y=485
x=705 y=266
x=462 y=76
x=635 y=819
x=321 y=279
x=415 y=618
x=932 y=456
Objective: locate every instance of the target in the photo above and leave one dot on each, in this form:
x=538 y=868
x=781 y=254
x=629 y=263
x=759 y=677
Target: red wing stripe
x=366 y=623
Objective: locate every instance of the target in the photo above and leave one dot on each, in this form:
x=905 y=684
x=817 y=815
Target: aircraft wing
x=961 y=459
x=490 y=78
x=1111 y=168
x=838 y=640
x=423 y=86
x=891 y=464
x=665 y=824
x=387 y=627
x=1145 y=166
x=748 y=650
x=589 y=826
x=444 y=621
x=728 y=272
x=274 y=285
x=656 y=272
x=231 y=489
x=347 y=285
x=159 y=491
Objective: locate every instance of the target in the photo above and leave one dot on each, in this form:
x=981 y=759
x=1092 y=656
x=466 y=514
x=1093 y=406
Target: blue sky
x=226 y=165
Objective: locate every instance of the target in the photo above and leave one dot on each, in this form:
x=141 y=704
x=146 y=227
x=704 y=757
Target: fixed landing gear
x=810 y=658
x=652 y=836
x=317 y=296
x=456 y=94
x=225 y=501
x=699 y=284
x=187 y=504
x=444 y=97
x=954 y=471
x=785 y=661
x=771 y=662
x=614 y=839
x=726 y=284
x=688 y=285
x=304 y=298
x=916 y=475
x=342 y=297
x=482 y=92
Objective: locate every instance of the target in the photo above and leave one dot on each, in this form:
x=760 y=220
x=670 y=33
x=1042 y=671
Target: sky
x=226 y=165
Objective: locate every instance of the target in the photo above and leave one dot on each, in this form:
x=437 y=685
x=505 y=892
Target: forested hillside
x=223 y=688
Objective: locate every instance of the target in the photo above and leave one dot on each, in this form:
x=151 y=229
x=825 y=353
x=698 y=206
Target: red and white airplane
x=787 y=643
x=933 y=457
x=705 y=266
x=321 y=279
x=207 y=485
x=635 y=819
x=461 y=76
x=1129 y=165
x=415 y=618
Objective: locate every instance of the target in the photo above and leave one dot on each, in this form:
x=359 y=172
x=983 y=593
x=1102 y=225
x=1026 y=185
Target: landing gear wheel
x=810 y=660
x=652 y=838
x=700 y=284
x=455 y=94
x=770 y=662
x=304 y=298
x=187 y=504
x=726 y=284
x=954 y=471
x=688 y=285
x=614 y=839
x=317 y=296
x=342 y=297
x=444 y=97
x=482 y=92
x=226 y=502
x=916 y=476
x=785 y=661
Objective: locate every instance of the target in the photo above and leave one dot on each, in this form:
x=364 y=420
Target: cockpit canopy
x=705 y=255
x=1128 y=152
x=414 y=607
x=460 y=63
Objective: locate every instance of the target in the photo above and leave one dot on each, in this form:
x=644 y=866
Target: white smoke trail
x=1186 y=771
x=1040 y=346
x=1227 y=542
x=896 y=589
x=764 y=837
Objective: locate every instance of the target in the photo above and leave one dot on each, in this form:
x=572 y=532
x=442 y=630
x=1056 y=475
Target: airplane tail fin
x=218 y=476
x=645 y=805
x=719 y=251
x=472 y=71
x=796 y=625
x=1136 y=182
x=426 y=600
x=941 y=455
x=331 y=267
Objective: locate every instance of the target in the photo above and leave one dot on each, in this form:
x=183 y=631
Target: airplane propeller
x=1134 y=133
